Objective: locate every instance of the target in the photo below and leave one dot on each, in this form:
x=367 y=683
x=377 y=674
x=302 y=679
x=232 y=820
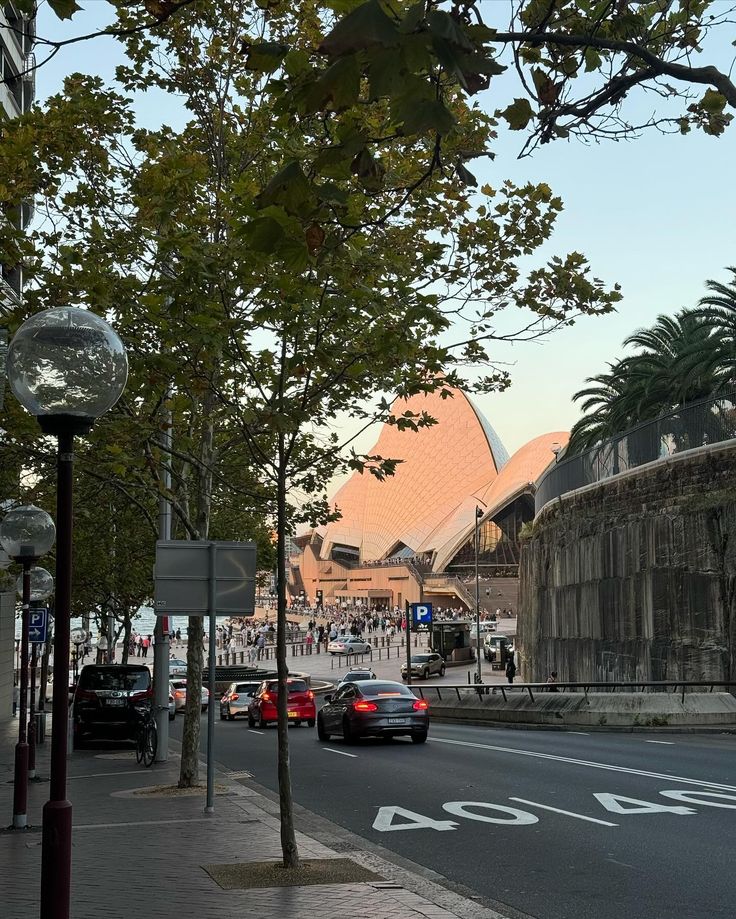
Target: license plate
x=119 y=702
x=398 y=720
x=293 y=714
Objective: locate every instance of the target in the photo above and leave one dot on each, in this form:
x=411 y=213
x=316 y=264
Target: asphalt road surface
x=556 y=825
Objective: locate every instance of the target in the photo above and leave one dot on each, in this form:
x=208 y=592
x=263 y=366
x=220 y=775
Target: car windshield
x=114 y=678
x=294 y=686
x=246 y=687
x=379 y=688
x=420 y=658
x=352 y=677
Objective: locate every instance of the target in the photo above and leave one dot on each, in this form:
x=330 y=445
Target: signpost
x=205 y=578
x=421 y=614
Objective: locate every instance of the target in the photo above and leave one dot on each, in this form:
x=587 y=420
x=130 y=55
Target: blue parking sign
x=421 y=613
x=37 y=625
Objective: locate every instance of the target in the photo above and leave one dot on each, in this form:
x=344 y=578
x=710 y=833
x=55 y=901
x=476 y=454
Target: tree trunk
x=289 y=848
x=189 y=772
x=127 y=629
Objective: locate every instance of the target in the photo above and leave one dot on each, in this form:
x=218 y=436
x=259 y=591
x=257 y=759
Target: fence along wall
x=635 y=578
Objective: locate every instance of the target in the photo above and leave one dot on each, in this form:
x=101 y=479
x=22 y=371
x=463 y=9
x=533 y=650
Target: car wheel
x=230 y=716
x=442 y=670
x=425 y=674
x=172 y=716
x=419 y=737
x=348 y=734
x=297 y=724
x=310 y=722
x=251 y=721
x=222 y=715
x=262 y=725
x=321 y=732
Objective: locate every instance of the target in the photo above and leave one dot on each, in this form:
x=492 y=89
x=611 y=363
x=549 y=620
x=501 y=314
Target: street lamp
x=556 y=448
x=67 y=367
x=42 y=586
x=478 y=517
x=26 y=534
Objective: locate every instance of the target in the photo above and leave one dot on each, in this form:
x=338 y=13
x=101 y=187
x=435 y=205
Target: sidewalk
x=143 y=856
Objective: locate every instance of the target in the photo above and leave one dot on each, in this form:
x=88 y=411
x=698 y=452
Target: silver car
x=356 y=675
x=180 y=695
x=236 y=700
x=347 y=644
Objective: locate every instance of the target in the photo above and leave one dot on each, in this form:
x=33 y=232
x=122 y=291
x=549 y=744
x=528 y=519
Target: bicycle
x=146 y=740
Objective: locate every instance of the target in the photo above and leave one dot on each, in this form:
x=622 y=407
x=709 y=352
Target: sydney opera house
x=411 y=536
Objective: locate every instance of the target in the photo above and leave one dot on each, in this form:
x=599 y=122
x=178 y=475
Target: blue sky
x=655 y=214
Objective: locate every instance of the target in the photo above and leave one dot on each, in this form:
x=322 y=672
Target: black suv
x=110 y=700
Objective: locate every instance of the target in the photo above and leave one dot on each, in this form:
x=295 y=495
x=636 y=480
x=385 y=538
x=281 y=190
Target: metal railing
x=506 y=689
x=698 y=424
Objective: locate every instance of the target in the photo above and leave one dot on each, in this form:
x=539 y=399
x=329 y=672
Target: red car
x=262 y=710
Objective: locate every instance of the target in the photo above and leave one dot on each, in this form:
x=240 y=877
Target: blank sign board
x=182 y=578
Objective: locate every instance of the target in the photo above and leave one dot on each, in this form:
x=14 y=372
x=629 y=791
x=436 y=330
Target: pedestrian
x=16 y=698
x=178 y=635
x=552 y=682
x=510 y=668
x=102 y=648
x=146 y=644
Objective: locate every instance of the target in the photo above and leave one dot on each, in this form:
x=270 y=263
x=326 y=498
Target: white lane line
x=557 y=810
x=584 y=762
x=251 y=731
x=583 y=733
x=669 y=743
x=341 y=752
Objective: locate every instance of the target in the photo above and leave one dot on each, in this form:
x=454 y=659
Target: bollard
x=319 y=647
x=293 y=650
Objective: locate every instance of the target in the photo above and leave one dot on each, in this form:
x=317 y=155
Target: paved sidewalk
x=141 y=856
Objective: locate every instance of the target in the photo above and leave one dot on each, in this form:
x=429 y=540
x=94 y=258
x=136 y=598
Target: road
x=556 y=825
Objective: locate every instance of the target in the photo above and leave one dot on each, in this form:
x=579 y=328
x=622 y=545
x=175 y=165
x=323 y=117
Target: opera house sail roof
x=447 y=469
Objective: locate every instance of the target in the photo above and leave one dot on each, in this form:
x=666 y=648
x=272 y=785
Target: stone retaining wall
x=635 y=578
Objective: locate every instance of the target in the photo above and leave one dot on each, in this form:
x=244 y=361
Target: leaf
x=368 y=170
x=265 y=56
x=263 y=234
x=291 y=189
x=445 y=26
x=465 y=175
x=593 y=60
x=547 y=90
x=424 y=115
x=296 y=62
x=64 y=9
x=386 y=71
x=413 y=18
x=518 y=114
x=365 y=27
x=315 y=237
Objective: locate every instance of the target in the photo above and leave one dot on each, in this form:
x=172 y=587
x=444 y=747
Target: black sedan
x=373 y=708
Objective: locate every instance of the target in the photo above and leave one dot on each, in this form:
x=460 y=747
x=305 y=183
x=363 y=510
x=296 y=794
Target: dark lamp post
x=479 y=512
x=26 y=533
x=67 y=367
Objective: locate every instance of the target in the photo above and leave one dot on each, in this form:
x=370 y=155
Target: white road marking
x=105 y=826
x=582 y=762
x=557 y=810
x=341 y=752
x=668 y=743
x=251 y=731
x=584 y=733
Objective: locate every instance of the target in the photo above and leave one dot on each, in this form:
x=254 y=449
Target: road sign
x=421 y=613
x=37 y=625
x=78 y=636
x=182 y=577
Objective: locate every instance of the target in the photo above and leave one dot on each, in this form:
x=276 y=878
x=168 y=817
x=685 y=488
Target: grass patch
x=273 y=874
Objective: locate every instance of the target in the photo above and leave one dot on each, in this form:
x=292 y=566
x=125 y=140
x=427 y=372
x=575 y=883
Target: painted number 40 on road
x=391 y=818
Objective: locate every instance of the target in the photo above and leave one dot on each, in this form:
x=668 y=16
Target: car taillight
x=86 y=695
x=179 y=693
x=365 y=707
x=420 y=705
x=234 y=697
x=310 y=695
x=266 y=697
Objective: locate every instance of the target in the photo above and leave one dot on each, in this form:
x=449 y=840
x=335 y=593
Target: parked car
x=237 y=699
x=177 y=667
x=172 y=703
x=349 y=645
x=356 y=675
x=423 y=665
x=373 y=708
x=301 y=707
x=110 y=700
x=180 y=695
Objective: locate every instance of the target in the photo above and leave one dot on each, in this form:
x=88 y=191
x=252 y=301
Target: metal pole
x=32 y=714
x=478 y=515
x=20 y=789
x=161 y=635
x=408 y=642
x=212 y=604
x=56 y=845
